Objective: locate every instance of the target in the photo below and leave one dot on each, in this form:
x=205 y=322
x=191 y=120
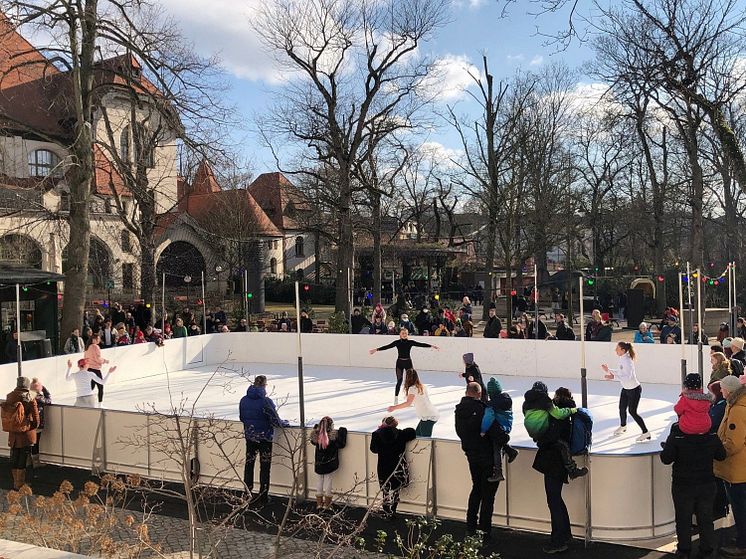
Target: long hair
x=627 y=347
x=93 y=337
x=413 y=379
x=325 y=427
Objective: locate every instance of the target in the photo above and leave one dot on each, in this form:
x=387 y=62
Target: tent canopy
x=12 y=275
x=560 y=279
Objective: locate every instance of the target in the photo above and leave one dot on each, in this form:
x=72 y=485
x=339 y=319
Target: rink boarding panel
x=629 y=487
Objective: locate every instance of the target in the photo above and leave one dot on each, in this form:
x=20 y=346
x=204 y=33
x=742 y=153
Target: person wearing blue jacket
x=259 y=417
x=499 y=411
x=644 y=335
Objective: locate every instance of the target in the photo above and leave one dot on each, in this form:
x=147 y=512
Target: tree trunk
x=489 y=261
x=730 y=145
x=377 y=249
x=76 y=273
x=317 y=256
x=345 y=247
x=697 y=193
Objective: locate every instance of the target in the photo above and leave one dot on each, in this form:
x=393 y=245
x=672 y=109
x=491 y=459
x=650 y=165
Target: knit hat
x=730 y=383
x=493 y=306
x=540 y=387
x=727 y=342
x=737 y=343
x=493 y=387
x=405 y=316
x=23 y=383
x=693 y=381
x=468 y=358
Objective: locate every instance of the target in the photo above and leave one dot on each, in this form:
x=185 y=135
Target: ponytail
x=325 y=426
x=627 y=347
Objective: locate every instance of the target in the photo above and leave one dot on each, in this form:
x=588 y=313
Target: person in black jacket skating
x=493 y=326
x=478 y=450
x=693 y=486
x=328 y=442
x=404 y=360
x=390 y=443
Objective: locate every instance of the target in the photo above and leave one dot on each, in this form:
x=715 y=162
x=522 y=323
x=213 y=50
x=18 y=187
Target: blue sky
x=223 y=26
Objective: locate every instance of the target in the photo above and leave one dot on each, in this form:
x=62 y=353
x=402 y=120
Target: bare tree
x=360 y=73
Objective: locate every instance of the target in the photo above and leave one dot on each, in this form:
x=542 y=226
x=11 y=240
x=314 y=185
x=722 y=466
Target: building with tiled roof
x=34 y=198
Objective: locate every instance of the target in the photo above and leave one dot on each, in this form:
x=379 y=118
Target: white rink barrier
x=657 y=364
x=630 y=495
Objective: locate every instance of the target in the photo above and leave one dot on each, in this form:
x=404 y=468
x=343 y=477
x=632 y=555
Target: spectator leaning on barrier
x=259 y=416
x=732 y=470
x=644 y=335
x=74 y=344
x=43 y=397
x=390 y=443
x=479 y=455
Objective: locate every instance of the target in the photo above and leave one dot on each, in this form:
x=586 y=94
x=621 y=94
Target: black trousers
x=482 y=496
x=264 y=449
x=100 y=387
x=35 y=448
x=629 y=400
x=561 y=531
x=401 y=366
x=19 y=457
x=697 y=500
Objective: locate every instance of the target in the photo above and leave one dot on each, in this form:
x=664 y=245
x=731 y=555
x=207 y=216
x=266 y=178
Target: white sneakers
x=645 y=437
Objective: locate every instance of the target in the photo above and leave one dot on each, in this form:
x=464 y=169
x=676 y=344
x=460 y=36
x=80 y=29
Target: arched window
x=299 y=250
x=128 y=145
x=43 y=163
x=273 y=266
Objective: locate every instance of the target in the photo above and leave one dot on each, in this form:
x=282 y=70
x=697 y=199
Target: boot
x=497 y=474
x=328 y=502
x=19 y=478
x=577 y=472
x=319 y=502
x=511 y=453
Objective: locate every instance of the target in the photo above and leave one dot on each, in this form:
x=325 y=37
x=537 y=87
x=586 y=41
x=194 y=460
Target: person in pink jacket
x=693 y=407
x=95 y=361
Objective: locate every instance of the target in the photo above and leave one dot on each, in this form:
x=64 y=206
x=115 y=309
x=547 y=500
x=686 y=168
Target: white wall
x=629 y=495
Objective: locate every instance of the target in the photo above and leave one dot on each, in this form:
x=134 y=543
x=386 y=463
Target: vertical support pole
x=246 y=294
x=683 y=328
x=731 y=318
x=301 y=396
x=735 y=304
x=349 y=298
x=583 y=371
x=536 y=301
x=19 y=348
x=204 y=305
x=163 y=302
x=700 y=358
x=689 y=294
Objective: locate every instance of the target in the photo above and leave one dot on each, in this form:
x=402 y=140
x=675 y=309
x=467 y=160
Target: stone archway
x=178 y=260
x=20 y=251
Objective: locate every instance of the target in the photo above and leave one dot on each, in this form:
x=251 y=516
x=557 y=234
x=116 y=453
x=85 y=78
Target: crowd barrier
x=657 y=364
x=629 y=494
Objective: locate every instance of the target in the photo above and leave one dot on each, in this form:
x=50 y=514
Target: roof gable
x=279 y=198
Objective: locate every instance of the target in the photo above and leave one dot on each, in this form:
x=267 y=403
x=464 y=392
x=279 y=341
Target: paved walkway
x=169 y=529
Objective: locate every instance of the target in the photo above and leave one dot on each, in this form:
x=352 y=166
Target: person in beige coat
x=732 y=470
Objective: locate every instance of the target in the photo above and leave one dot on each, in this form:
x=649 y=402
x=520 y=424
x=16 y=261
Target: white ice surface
x=357 y=399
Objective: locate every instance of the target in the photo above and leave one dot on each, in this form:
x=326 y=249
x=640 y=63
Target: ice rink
x=357 y=398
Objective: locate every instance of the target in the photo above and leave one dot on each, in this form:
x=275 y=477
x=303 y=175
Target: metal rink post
x=584 y=402
x=301 y=396
x=683 y=329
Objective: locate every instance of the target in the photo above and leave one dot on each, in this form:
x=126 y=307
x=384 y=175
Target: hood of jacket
x=388 y=434
x=256 y=392
x=536 y=400
x=737 y=397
